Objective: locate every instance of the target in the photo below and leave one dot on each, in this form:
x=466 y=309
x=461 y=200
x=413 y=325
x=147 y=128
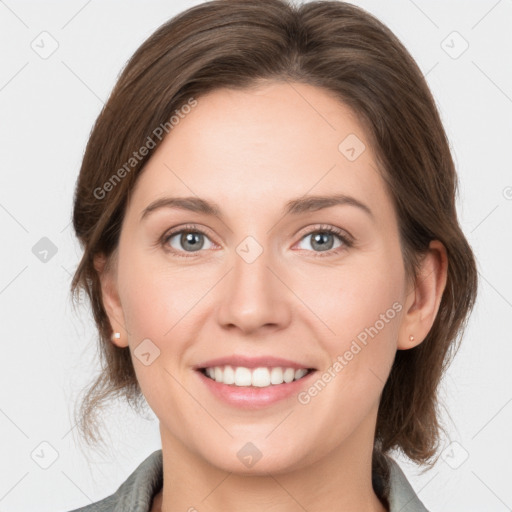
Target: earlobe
x=111 y=301
x=424 y=300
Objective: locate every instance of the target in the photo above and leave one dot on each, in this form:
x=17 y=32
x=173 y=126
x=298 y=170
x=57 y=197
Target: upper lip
x=252 y=362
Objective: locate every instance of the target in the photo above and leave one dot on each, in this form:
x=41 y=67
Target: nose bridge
x=251 y=264
x=254 y=296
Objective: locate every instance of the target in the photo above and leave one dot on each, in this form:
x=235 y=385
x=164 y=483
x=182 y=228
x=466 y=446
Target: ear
x=422 y=303
x=110 y=297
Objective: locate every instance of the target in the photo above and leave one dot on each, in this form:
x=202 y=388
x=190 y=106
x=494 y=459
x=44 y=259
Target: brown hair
x=346 y=51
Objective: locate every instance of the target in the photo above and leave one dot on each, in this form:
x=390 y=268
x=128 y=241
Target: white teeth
x=261 y=377
x=300 y=373
x=229 y=375
x=288 y=374
x=242 y=376
x=258 y=377
x=276 y=376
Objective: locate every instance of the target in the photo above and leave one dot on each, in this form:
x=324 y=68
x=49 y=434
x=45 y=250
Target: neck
x=340 y=480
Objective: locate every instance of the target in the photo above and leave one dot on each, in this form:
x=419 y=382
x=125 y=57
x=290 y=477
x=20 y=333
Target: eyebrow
x=296 y=206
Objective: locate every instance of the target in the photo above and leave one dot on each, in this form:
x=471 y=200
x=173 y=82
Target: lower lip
x=250 y=397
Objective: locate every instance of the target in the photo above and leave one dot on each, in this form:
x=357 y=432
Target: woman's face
x=262 y=278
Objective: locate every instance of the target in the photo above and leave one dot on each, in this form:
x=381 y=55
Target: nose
x=255 y=296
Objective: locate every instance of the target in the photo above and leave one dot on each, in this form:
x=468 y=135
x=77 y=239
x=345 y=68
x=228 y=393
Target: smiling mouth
x=260 y=377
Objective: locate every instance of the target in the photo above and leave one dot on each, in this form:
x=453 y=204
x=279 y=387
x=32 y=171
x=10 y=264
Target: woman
x=274 y=261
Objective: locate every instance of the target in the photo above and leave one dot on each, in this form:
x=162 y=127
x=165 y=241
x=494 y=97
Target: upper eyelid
x=187 y=227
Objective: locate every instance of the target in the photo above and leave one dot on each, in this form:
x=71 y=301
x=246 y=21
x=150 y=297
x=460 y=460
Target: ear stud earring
x=411 y=338
x=115 y=336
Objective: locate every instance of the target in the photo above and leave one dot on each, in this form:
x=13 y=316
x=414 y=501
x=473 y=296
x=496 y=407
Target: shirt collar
x=401 y=495
x=137 y=492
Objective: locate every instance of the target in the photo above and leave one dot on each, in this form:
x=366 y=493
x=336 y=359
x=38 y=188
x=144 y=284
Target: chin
x=256 y=458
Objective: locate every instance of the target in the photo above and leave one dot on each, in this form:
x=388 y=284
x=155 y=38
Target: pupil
x=319 y=238
x=192 y=240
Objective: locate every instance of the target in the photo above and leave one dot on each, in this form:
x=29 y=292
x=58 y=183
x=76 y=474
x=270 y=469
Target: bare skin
x=250 y=152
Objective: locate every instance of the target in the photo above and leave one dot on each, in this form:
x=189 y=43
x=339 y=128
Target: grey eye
x=322 y=240
x=190 y=241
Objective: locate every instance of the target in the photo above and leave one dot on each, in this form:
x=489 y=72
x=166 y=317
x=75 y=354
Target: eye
x=188 y=239
x=323 y=239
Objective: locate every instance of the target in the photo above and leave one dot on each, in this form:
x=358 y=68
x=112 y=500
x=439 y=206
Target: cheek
x=363 y=313
x=155 y=295
x=353 y=297
x=362 y=307
x=160 y=303
x=155 y=302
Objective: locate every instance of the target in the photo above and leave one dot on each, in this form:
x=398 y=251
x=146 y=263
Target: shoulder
x=401 y=495
x=136 y=493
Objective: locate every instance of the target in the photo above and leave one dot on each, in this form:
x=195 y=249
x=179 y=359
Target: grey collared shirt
x=136 y=493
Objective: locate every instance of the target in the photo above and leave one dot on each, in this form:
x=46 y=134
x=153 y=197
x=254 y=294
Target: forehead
x=272 y=142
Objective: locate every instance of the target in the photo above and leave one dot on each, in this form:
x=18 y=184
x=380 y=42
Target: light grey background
x=47 y=108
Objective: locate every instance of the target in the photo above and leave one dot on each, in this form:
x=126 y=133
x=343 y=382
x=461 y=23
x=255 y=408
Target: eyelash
x=191 y=228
